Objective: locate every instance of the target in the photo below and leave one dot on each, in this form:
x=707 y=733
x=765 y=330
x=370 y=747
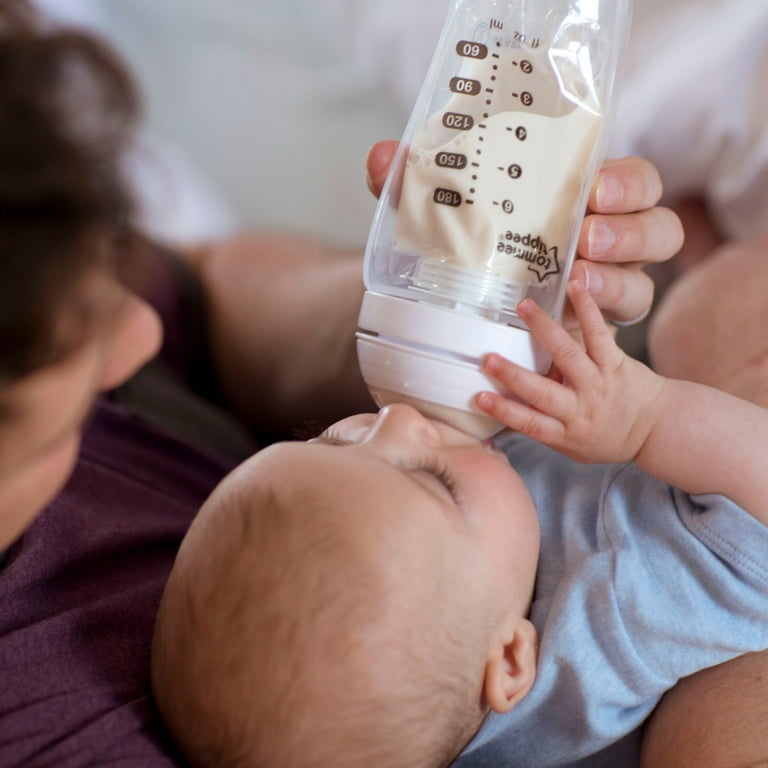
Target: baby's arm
x=612 y=408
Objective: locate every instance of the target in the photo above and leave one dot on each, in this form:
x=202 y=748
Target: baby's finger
x=566 y=353
x=521 y=417
x=598 y=338
x=625 y=185
x=623 y=293
x=650 y=236
x=544 y=394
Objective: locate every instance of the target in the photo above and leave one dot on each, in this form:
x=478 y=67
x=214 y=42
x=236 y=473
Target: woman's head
x=66 y=110
x=67 y=328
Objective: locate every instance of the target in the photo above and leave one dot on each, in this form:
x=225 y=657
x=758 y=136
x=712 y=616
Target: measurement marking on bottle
x=451 y=160
x=465 y=85
x=458 y=121
x=471 y=50
x=449 y=197
x=506 y=205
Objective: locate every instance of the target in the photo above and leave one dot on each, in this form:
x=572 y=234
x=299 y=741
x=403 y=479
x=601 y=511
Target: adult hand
x=624 y=230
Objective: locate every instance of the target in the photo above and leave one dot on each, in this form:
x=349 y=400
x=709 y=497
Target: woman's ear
x=511 y=666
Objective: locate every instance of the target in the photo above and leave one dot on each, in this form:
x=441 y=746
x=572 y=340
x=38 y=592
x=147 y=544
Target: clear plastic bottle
x=485 y=198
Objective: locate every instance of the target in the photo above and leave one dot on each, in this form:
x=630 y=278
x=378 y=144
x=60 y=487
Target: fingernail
x=491 y=363
x=524 y=307
x=608 y=193
x=593 y=280
x=484 y=401
x=578 y=273
x=601 y=237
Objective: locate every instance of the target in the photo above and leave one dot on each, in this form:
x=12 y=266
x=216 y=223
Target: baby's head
x=360 y=598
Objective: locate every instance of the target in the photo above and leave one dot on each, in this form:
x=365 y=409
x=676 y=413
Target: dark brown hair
x=66 y=109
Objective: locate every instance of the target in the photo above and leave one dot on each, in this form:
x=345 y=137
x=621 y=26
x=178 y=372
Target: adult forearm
x=282 y=314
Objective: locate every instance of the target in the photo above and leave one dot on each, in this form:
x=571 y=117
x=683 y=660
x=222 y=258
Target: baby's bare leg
x=711 y=327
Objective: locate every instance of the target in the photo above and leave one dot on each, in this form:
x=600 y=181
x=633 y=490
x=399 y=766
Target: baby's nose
x=403 y=423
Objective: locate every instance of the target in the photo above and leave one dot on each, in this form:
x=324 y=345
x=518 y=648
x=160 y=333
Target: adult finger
x=625 y=185
x=652 y=235
x=379 y=159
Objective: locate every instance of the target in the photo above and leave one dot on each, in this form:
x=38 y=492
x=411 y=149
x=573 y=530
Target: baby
x=374 y=596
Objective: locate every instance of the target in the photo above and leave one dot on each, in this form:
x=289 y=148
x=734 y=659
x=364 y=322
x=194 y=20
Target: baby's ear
x=511 y=666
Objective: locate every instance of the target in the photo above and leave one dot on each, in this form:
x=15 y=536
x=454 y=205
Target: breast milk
x=491 y=210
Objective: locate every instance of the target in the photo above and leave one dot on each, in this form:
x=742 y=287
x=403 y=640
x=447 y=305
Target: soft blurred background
x=259 y=114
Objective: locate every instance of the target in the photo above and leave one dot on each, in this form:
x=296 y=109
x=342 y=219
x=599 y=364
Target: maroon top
x=78 y=596
x=80 y=589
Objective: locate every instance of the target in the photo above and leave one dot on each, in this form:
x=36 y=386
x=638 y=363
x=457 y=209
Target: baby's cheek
x=489 y=482
x=492 y=471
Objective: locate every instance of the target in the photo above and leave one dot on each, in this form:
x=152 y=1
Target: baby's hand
x=604 y=408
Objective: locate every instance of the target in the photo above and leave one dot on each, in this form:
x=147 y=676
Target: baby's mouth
x=494 y=450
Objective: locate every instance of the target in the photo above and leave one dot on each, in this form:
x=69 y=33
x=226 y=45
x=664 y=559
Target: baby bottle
x=485 y=198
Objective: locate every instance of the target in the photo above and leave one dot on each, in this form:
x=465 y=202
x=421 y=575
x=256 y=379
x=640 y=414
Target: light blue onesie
x=638 y=586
